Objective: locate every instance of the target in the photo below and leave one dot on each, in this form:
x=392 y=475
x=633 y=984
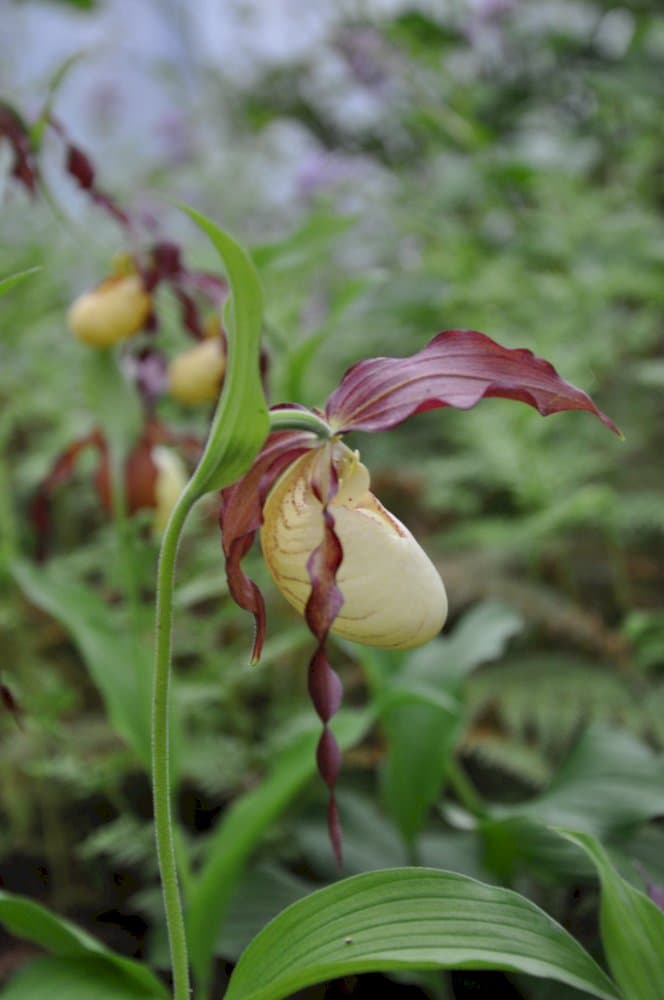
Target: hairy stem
x=161 y=779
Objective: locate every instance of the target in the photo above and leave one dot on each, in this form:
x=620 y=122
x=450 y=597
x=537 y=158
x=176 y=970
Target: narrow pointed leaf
x=32 y=922
x=241 y=423
x=632 y=928
x=14 y=279
x=410 y=918
x=457 y=368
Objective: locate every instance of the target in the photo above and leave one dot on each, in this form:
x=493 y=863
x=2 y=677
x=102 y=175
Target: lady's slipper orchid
x=392 y=593
x=334 y=551
x=154 y=476
x=113 y=311
x=195 y=375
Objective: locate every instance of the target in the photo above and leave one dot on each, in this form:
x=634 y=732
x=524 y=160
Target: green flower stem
x=299 y=420
x=161 y=779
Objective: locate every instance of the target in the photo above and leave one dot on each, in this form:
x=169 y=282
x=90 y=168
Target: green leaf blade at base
x=632 y=927
x=77 y=952
x=76 y=979
x=410 y=918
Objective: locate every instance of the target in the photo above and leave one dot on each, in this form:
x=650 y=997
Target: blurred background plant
x=397 y=168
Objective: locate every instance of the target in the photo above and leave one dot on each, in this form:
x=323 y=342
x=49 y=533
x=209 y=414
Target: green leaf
x=438 y=727
x=14 y=279
x=242 y=828
x=608 y=783
x=517 y=843
x=119 y=666
x=481 y=636
x=76 y=979
x=632 y=927
x=241 y=422
x=421 y=693
x=261 y=895
x=31 y=922
x=409 y=918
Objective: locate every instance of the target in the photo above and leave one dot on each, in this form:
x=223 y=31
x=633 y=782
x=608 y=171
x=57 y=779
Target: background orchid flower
x=114 y=310
x=195 y=375
x=334 y=551
x=154 y=476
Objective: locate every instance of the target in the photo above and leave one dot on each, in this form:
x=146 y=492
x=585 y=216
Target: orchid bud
x=114 y=310
x=195 y=375
x=393 y=594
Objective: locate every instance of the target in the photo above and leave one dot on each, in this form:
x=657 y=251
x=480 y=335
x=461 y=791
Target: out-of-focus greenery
x=499 y=168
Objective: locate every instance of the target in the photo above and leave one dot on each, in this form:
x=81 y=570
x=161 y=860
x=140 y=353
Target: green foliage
x=14 y=279
x=240 y=423
x=118 y=664
x=632 y=928
x=78 y=979
x=230 y=847
x=405 y=919
x=420 y=693
x=506 y=177
x=85 y=957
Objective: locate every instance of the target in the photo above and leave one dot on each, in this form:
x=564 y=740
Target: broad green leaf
x=421 y=693
x=241 y=422
x=261 y=895
x=632 y=928
x=119 y=666
x=77 y=979
x=32 y=922
x=14 y=279
x=517 y=843
x=242 y=828
x=415 y=768
x=608 y=783
x=480 y=637
x=410 y=918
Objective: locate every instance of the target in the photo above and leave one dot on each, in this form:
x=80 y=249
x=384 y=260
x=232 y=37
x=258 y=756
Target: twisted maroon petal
x=324 y=604
x=457 y=368
x=241 y=514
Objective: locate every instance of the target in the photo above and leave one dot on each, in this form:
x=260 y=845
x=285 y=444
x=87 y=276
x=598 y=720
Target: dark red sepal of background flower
x=457 y=368
x=241 y=514
x=15 y=131
x=61 y=470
